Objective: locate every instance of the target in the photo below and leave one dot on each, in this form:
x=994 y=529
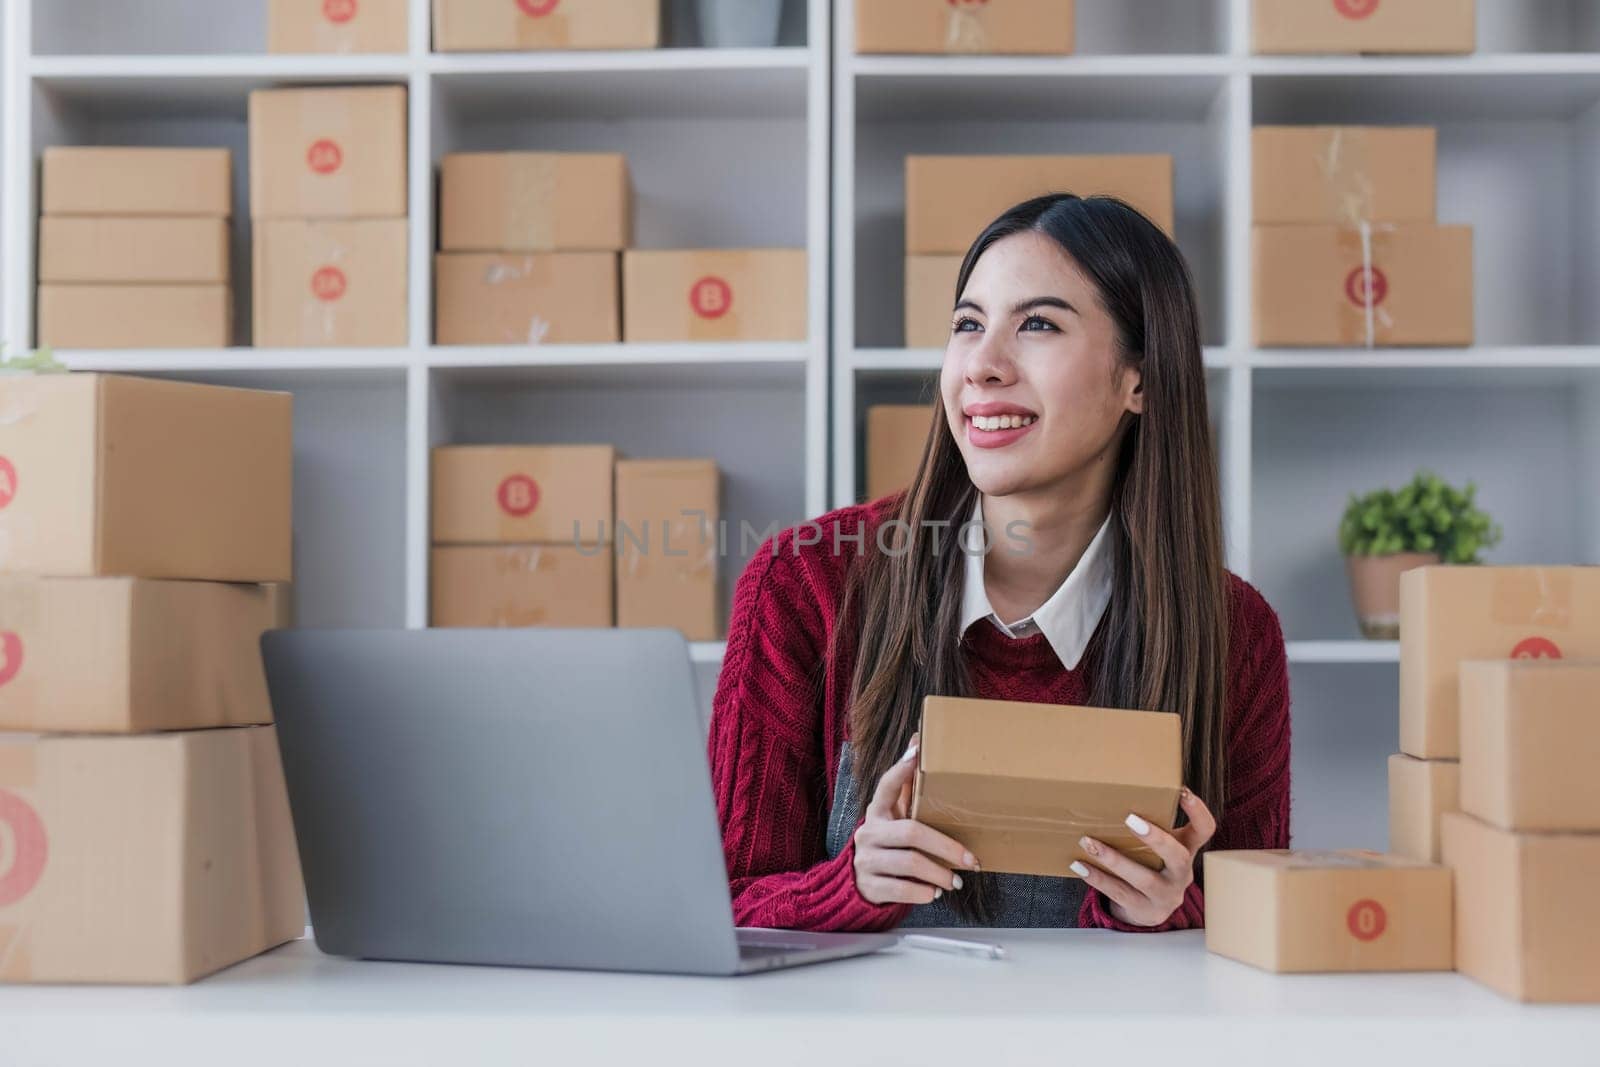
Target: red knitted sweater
x=780 y=715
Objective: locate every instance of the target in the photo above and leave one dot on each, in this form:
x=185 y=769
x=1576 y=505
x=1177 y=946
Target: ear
x=1133 y=390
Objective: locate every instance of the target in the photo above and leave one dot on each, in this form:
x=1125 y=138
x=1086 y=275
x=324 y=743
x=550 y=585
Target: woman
x=1073 y=443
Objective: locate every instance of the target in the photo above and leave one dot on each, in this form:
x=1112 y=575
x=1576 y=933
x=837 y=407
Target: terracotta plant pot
x=1375 y=588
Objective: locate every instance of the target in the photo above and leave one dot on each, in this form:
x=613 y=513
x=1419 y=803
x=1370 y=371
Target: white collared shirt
x=1068 y=619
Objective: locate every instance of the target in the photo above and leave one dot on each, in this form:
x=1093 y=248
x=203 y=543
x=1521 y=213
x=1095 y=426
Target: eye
x=1037 y=322
x=966 y=324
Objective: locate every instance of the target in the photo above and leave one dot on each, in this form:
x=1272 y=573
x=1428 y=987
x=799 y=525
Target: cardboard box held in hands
x=1019 y=783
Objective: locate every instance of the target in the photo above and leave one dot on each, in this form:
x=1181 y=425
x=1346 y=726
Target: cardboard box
x=1451 y=614
x=930 y=296
x=328 y=153
x=137 y=181
x=1343 y=174
x=190 y=251
x=106 y=475
x=521 y=585
x=550 y=298
x=127 y=655
x=1420 y=791
x=532 y=25
x=523 y=494
x=1523 y=910
x=1530 y=735
x=667 y=545
x=1003 y=27
x=896 y=436
x=331 y=283
x=1303 y=27
x=135 y=316
x=152 y=859
x=732 y=294
x=534 y=202
x=1345 y=910
x=1313 y=285
x=1020 y=783
x=342 y=26
x=950 y=199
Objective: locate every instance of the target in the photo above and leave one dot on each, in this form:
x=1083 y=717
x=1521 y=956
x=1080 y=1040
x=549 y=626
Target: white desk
x=1061 y=996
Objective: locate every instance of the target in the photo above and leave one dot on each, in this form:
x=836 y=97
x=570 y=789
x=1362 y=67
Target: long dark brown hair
x=1162 y=644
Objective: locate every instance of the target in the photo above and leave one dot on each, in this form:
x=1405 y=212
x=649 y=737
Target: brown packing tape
x=1532 y=596
x=964 y=31
x=1362 y=296
x=552 y=30
x=530 y=202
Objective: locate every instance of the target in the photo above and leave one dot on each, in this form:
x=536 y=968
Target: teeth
x=1003 y=422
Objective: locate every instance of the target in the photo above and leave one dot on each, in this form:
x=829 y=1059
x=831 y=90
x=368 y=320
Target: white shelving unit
x=740 y=147
x=1297 y=430
x=754 y=121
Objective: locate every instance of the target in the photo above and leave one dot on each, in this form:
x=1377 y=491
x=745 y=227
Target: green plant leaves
x=1425 y=515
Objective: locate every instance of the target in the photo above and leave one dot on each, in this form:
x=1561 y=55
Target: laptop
x=524 y=797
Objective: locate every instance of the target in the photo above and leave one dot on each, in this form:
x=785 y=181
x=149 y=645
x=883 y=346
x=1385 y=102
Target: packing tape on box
x=1532 y=596
x=676 y=535
x=944 y=813
x=1348 y=199
x=549 y=30
x=964 y=31
x=1364 y=287
x=530 y=192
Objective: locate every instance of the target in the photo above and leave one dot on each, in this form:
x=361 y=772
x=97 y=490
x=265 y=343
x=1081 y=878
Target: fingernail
x=1089 y=846
x=955 y=881
x=1137 y=825
x=912 y=751
x=1079 y=869
x=969 y=860
x=937 y=892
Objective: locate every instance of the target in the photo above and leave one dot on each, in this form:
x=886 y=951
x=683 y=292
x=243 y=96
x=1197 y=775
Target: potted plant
x=1392 y=530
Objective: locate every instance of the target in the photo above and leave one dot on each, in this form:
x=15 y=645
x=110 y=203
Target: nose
x=990 y=361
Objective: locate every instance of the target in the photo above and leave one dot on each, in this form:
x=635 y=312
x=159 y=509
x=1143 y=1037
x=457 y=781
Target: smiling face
x=1033 y=384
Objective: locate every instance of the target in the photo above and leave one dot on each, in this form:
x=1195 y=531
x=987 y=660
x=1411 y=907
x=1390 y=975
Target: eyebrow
x=1026 y=305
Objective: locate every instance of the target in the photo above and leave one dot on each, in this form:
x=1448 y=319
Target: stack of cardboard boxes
x=1346 y=249
x=339 y=26
x=134 y=249
x=529 y=245
x=529 y=254
x=1304 y=27
x=1493 y=675
x=328 y=202
x=567 y=535
x=1008 y=27
x=950 y=199
x=534 y=25
x=144 y=822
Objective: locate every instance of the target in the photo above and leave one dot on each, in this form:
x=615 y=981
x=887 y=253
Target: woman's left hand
x=1138 y=895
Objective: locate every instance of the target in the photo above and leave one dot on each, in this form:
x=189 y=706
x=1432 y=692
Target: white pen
x=981 y=949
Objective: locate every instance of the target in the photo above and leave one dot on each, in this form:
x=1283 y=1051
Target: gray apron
x=1023 y=899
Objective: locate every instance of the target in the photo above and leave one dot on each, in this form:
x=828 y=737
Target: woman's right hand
x=898 y=859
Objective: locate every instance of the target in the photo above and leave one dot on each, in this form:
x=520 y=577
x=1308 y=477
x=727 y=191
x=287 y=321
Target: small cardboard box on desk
x=1345 y=910
x=1020 y=783
x=1526 y=844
